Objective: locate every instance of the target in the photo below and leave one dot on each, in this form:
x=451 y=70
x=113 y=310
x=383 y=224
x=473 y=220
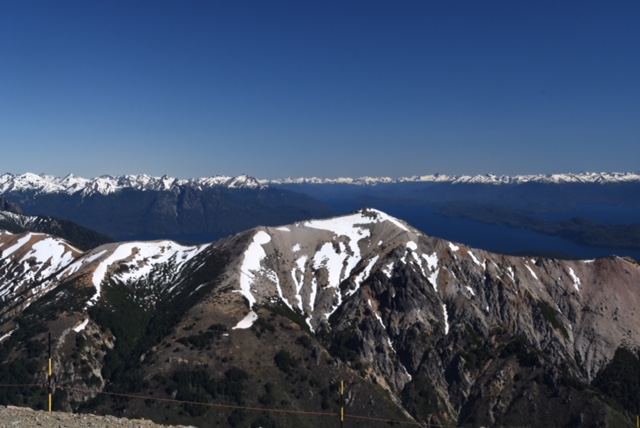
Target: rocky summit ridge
x=430 y=330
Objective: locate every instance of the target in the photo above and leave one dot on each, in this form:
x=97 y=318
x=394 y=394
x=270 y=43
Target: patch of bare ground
x=18 y=417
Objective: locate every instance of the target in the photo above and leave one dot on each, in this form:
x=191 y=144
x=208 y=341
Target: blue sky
x=319 y=88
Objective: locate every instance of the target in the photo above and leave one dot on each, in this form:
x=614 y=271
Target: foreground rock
x=25 y=417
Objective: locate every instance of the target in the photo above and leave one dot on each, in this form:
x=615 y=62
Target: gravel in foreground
x=24 y=417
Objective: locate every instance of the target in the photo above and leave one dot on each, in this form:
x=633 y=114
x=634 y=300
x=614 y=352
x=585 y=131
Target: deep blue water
x=600 y=213
x=496 y=238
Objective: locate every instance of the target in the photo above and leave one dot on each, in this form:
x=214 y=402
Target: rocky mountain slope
x=420 y=329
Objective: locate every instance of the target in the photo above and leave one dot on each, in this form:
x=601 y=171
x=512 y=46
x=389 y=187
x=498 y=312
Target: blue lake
x=497 y=238
x=608 y=214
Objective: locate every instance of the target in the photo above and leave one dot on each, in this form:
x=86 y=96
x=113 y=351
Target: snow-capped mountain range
x=584 y=177
x=71 y=184
x=105 y=185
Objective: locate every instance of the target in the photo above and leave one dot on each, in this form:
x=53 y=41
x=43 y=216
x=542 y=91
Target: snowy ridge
x=21 y=220
x=105 y=185
x=29 y=261
x=32 y=263
x=136 y=260
x=71 y=184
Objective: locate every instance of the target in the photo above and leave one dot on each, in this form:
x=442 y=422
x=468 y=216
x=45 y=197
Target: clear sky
x=279 y=89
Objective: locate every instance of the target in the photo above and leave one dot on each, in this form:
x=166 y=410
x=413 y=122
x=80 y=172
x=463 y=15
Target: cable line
x=343 y=415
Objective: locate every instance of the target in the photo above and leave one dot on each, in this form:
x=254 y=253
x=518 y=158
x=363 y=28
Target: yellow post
x=50 y=385
x=50 y=373
x=341 y=403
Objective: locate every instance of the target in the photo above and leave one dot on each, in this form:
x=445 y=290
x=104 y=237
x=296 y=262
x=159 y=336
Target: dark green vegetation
x=620 y=380
x=578 y=230
x=273 y=365
x=28 y=337
x=202 y=341
x=11 y=207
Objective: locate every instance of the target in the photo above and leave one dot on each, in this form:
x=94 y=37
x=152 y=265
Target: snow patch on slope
x=297 y=274
x=576 y=280
x=251 y=263
x=432 y=262
x=532 y=272
x=81 y=326
x=247 y=321
x=446 y=319
x=475 y=260
x=363 y=275
x=15 y=247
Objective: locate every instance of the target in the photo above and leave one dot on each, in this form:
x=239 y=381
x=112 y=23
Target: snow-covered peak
x=73 y=182
x=29 y=182
x=345 y=248
x=243 y=182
